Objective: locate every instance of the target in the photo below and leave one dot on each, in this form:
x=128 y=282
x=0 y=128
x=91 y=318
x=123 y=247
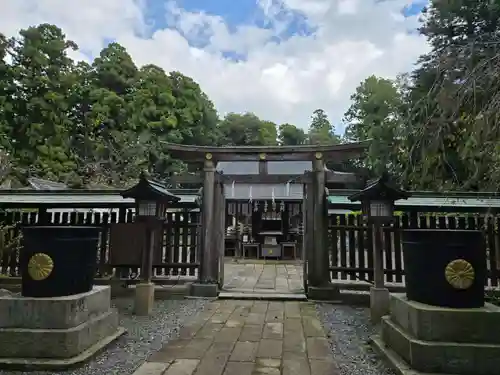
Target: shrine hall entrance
x=263 y=217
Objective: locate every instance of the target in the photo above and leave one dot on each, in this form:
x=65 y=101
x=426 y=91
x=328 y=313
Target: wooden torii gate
x=315 y=248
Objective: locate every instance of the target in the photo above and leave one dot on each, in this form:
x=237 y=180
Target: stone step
x=263 y=296
x=263 y=291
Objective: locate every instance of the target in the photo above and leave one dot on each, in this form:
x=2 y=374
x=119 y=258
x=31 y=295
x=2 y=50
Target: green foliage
x=247 y=130
x=438 y=128
x=98 y=124
x=374 y=114
x=10 y=240
x=290 y=135
x=321 y=131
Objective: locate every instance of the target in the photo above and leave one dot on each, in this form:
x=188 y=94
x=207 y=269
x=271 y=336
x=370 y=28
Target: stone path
x=276 y=277
x=247 y=338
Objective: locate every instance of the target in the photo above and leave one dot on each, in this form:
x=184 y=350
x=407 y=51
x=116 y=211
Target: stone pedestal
x=204 y=290
x=419 y=338
x=58 y=332
x=328 y=292
x=144 y=298
x=379 y=304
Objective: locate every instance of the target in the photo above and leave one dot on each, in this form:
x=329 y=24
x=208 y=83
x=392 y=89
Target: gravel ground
x=144 y=336
x=348 y=329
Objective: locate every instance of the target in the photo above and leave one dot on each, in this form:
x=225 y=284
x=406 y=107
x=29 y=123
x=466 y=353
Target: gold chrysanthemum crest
x=40 y=266
x=460 y=274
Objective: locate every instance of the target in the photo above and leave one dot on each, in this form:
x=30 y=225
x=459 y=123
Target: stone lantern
x=377 y=202
x=151 y=202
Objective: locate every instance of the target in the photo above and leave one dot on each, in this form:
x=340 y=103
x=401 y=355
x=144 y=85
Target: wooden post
x=220 y=219
x=379 y=294
x=320 y=267
x=378 y=267
x=147 y=259
x=207 y=243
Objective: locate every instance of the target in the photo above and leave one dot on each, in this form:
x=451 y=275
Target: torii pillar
x=207 y=285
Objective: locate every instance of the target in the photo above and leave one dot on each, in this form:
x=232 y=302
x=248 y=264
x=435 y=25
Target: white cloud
x=281 y=82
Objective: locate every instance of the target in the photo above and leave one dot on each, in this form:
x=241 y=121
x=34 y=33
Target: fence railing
x=175 y=256
x=351 y=244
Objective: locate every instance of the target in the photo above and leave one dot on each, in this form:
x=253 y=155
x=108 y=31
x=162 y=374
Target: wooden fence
x=176 y=258
x=351 y=244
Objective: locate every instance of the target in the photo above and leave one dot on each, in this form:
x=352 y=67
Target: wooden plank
x=193 y=236
x=7 y=219
x=497 y=248
x=343 y=245
x=184 y=228
x=360 y=246
x=357 y=270
x=398 y=251
x=334 y=243
x=176 y=242
x=351 y=237
x=388 y=251
x=169 y=243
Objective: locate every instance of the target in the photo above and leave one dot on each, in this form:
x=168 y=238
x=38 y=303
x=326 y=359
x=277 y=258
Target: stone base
x=53 y=313
x=204 y=290
x=60 y=330
x=379 y=304
x=54 y=364
x=327 y=293
x=144 y=298
x=438 y=340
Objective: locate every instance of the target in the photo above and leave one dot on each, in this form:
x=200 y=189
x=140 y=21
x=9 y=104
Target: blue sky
x=236 y=13
x=279 y=62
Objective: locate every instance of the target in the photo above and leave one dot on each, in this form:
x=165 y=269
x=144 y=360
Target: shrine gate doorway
x=313 y=249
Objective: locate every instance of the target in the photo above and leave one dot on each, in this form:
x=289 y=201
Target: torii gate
x=315 y=247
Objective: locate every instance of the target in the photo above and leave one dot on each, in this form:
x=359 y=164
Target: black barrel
x=445 y=268
x=58 y=261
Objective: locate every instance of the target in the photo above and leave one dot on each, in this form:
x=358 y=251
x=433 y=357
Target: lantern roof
x=380 y=189
x=147 y=189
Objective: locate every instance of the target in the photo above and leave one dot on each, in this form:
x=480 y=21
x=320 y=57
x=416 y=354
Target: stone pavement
x=247 y=338
x=273 y=277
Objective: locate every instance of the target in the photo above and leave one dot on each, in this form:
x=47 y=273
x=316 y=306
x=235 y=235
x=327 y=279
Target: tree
x=453 y=127
x=8 y=241
x=247 y=129
x=39 y=128
x=375 y=114
x=290 y=135
x=321 y=130
x=7 y=88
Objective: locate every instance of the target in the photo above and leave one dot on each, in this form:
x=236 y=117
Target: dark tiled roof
x=40 y=184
